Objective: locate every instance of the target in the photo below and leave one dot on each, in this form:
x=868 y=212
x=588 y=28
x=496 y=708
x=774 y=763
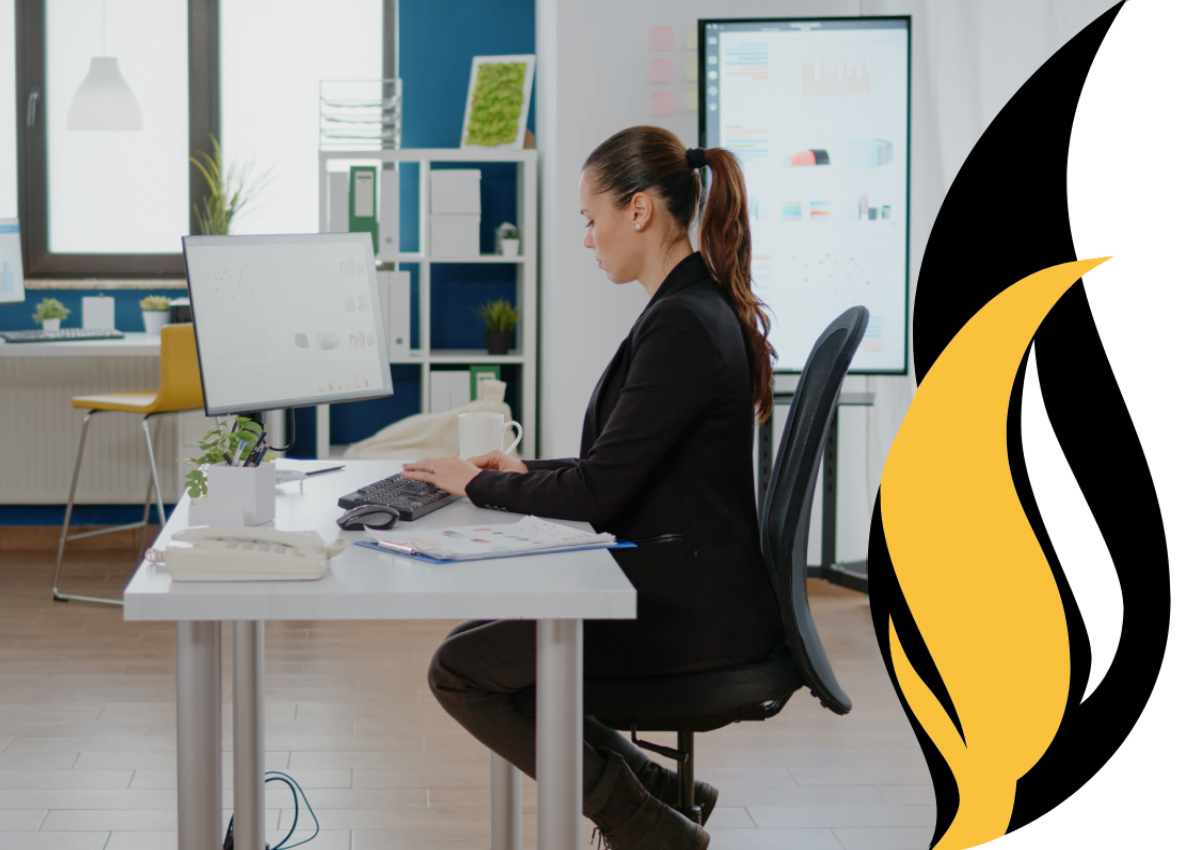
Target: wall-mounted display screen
x=817 y=111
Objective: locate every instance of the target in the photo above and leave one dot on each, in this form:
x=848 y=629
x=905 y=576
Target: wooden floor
x=87 y=723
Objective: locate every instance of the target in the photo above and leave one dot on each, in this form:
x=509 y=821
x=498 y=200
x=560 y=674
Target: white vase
x=51 y=324
x=509 y=247
x=254 y=486
x=154 y=320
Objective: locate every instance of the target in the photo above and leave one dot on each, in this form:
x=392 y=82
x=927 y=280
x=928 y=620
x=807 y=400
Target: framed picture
x=498 y=102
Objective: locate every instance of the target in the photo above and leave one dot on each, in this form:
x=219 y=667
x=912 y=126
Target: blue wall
x=16 y=317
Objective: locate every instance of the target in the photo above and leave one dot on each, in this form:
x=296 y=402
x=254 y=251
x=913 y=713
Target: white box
x=455 y=191
x=448 y=389
x=454 y=235
x=208 y=511
x=98 y=312
x=389 y=215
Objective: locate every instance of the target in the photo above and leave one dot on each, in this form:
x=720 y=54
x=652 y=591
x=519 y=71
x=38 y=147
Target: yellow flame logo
x=970 y=567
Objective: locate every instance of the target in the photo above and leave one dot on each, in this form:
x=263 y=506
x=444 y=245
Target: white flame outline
x=1076 y=538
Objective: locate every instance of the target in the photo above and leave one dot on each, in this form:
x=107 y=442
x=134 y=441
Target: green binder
x=364 y=216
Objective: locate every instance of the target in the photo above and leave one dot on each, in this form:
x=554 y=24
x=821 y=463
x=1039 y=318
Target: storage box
x=456 y=192
x=454 y=235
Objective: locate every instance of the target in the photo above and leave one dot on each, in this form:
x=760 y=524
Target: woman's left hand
x=451 y=474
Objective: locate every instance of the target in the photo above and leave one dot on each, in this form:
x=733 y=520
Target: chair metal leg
x=685 y=768
x=57 y=570
x=58 y=595
x=160 y=502
x=148 y=497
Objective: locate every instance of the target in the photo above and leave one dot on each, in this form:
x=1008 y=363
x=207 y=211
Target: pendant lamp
x=104 y=101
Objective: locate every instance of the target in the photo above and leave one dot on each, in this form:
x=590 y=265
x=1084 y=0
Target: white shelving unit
x=527 y=278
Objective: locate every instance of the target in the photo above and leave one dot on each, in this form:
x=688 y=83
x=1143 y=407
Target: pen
x=256 y=453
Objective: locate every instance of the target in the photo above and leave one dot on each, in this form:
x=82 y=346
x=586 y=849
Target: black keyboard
x=64 y=335
x=411 y=498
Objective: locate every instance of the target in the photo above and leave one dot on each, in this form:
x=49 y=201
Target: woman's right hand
x=499 y=461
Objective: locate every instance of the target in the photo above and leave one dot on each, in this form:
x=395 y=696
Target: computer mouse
x=374 y=516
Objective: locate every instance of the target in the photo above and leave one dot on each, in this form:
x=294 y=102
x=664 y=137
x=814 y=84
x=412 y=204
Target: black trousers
x=474 y=676
x=479 y=667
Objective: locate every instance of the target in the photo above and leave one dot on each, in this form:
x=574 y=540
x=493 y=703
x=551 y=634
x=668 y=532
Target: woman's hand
x=450 y=474
x=498 y=460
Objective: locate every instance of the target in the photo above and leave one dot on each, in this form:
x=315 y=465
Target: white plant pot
x=51 y=325
x=154 y=320
x=509 y=247
x=255 y=486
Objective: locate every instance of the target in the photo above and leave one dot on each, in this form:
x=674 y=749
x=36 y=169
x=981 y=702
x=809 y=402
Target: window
x=111 y=203
x=8 y=199
x=118 y=191
x=274 y=53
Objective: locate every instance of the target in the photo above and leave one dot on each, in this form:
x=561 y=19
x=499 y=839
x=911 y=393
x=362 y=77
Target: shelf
x=472 y=355
x=438 y=154
x=416 y=257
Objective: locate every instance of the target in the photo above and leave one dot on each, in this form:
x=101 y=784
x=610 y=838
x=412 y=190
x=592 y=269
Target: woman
x=665 y=461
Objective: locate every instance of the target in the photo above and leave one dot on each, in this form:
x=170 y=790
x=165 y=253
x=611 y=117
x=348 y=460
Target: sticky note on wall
x=662 y=103
x=691 y=38
x=691 y=69
x=662 y=71
x=662 y=38
x=691 y=100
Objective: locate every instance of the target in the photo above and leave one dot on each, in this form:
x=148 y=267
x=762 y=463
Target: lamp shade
x=104 y=101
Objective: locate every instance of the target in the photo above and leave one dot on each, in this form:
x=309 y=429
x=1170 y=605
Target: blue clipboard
x=370 y=544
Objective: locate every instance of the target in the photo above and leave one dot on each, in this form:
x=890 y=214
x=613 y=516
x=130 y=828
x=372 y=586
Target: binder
x=388 y=249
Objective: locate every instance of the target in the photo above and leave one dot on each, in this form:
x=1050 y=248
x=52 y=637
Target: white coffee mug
x=480 y=433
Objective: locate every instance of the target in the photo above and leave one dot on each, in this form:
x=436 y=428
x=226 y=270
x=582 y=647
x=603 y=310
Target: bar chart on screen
x=12 y=278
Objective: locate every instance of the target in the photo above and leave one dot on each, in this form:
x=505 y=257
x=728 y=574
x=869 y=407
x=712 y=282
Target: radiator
x=39 y=432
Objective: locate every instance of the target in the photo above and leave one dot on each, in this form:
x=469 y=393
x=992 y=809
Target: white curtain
x=969 y=58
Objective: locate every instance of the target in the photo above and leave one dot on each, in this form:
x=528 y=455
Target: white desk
x=559 y=591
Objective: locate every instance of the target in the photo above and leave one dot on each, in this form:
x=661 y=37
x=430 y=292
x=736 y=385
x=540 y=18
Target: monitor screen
x=286 y=321
x=817 y=112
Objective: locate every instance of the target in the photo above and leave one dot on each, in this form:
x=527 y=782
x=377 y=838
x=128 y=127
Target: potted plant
x=508 y=239
x=230 y=190
x=50 y=313
x=216 y=486
x=156 y=313
x=500 y=317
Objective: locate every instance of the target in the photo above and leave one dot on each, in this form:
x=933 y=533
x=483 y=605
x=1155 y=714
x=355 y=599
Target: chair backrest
x=180 y=378
x=786 y=514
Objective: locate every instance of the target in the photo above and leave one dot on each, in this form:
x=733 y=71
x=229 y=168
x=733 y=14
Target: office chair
x=180 y=391
x=701 y=701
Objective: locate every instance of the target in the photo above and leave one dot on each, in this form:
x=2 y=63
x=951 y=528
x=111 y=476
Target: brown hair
x=651 y=159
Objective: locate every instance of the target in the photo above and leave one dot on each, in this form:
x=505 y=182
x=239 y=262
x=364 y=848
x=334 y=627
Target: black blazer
x=666 y=461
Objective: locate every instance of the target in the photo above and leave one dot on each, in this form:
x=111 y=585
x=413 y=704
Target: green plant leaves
x=50 y=308
x=499 y=316
x=497 y=103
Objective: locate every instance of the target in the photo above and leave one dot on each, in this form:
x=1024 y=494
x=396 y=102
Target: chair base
x=153 y=484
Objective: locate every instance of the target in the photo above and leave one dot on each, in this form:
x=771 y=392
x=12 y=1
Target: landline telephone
x=239 y=553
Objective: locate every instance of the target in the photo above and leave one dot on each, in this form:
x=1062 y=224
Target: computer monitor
x=286 y=321
x=817 y=112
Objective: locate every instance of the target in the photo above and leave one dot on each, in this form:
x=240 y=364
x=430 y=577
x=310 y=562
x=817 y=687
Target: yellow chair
x=180 y=391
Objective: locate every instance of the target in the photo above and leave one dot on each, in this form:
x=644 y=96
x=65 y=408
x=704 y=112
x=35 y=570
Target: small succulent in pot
x=50 y=309
x=154 y=304
x=500 y=318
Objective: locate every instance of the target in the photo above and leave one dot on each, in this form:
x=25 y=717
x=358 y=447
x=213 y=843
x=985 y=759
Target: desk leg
x=506 y=804
x=559 y=731
x=199 y=735
x=248 y=715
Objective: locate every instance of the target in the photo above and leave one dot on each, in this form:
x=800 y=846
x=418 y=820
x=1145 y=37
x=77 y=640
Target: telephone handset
x=238 y=553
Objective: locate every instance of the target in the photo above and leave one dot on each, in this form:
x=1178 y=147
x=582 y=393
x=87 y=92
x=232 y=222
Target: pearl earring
x=637 y=227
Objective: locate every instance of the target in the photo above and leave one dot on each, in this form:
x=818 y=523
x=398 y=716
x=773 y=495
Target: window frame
x=32 y=154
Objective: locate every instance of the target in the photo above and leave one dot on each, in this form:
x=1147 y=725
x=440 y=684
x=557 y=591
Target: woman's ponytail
x=727 y=248
x=644 y=159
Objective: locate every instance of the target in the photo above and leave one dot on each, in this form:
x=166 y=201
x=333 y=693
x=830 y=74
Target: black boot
x=630 y=818
x=664 y=785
